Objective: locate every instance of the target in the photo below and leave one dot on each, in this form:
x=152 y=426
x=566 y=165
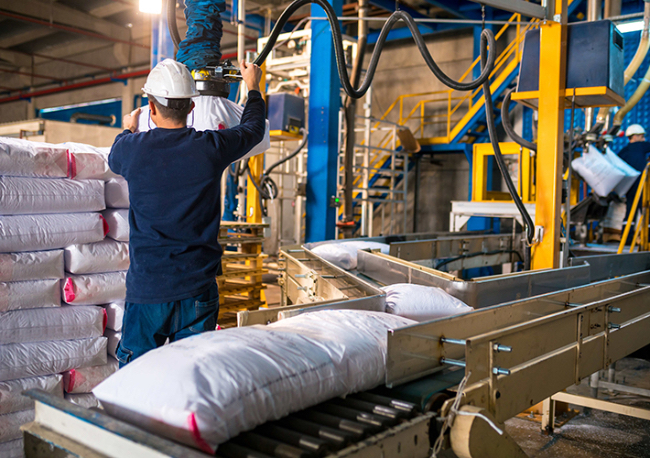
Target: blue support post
x=324 y=105
x=162 y=46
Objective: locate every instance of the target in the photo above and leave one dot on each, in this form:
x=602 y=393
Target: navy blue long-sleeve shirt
x=174 y=179
x=636 y=154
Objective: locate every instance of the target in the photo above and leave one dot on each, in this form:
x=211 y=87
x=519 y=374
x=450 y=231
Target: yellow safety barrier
x=642 y=191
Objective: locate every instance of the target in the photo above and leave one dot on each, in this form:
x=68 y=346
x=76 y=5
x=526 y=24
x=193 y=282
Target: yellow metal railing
x=641 y=232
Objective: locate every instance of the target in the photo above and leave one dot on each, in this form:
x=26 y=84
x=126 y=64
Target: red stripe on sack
x=104 y=225
x=105 y=320
x=68 y=290
x=72 y=165
x=73 y=376
x=196 y=435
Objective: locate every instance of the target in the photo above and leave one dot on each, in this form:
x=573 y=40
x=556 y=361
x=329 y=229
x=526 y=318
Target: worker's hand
x=252 y=75
x=130 y=121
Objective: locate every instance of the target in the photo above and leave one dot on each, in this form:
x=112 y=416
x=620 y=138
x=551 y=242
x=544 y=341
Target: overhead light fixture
x=151 y=6
x=625 y=27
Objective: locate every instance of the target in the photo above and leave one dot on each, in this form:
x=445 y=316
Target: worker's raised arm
x=130 y=123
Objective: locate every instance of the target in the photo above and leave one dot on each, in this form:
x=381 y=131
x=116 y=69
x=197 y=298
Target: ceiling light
x=151 y=6
x=632 y=26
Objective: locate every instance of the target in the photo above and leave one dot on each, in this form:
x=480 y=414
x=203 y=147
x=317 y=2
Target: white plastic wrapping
x=212 y=113
x=117 y=193
x=12 y=400
x=12 y=449
x=599 y=173
x=94 y=288
x=60 y=323
x=27 y=196
x=113 y=339
x=422 y=303
x=213 y=386
x=48 y=232
x=631 y=174
x=25 y=158
x=10 y=424
x=85 y=400
x=106 y=256
x=22 y=360
x=118 y=223
x=17 y=295
x=344 y=254
x=84 y=380
x=114 y=315
x=88 y=162
x=34 y=265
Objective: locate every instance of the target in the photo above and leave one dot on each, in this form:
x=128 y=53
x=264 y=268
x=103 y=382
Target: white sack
x=118 y=223
x=113 y=339
x=26 y=196
x=17 y=295
x=631 y=174
x=117 y=193
x=422 y=303
x=10 y=424
x=12 y=449
x=106 y=256
x=35 y=265
x=22 y=360
x=84 y=380
x=211 y=387
x=344 y=254
x=114 y=315
x=94 y=288
x=88 y=162
x=47 y=232
x=212 y=113
x=598 y=171
x=12 y=400
x=25 y=158
x=85 y=400
x=615 y=216
x=59 y=323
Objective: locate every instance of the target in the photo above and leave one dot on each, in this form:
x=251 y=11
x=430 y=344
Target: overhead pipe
x=57 y=59
x=32 y=75
x=101 y=119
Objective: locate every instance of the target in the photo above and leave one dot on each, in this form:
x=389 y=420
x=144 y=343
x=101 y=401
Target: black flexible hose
x=487 y=37
x=505 y=121
x=302 y=144
x=171 y=23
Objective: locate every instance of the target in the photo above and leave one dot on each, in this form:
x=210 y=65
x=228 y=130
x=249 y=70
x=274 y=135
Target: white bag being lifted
x=118 y=224
x=25 y=196
x=117 y=193
x=85 y=379
x=106 y=256
x=344 y=254
x=631 y=174
x=42 y=358
x=215 y=385
x=60 y=323
x=18 y=295
x=114 y=315
x=47 y=232
x=598 y=171
x=25 y=158
x=422 y=303
x=88 y=162
x=12 y=400
x=33 y=265
x=94 y=288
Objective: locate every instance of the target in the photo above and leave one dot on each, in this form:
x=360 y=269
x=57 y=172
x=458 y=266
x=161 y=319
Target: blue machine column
x=162 y=46
x=324 y=104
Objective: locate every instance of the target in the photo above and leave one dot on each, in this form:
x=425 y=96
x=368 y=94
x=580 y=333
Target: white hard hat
x=634 y=129
x=171 y=80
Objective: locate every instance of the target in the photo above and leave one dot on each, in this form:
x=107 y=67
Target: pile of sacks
x=60 y=278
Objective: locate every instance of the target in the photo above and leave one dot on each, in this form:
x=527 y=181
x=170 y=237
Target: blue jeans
x=147 y=326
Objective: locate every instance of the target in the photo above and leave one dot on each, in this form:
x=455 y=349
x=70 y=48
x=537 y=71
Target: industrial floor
x=592 y=433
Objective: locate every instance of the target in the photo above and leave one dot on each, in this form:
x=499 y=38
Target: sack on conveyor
x=94 y=288
x=12 y=449
x=598 y=171
x=28 y=196
x=19 y=295
x=118 y=223
x=42 y=358
x=113 y=339
x=117 y=193
x=85 y=400
x=213 y=386
x=211 y=113
x=35 y=265
x=12 y=400
x=88 y=162
x=59 y=323
x=48 y=232
x=422 y=303
x=77 y=381
x=631 y=174
x=106 y=256
x=344 y=254
x=114 y=315
x=25 y=158
x=10 y=424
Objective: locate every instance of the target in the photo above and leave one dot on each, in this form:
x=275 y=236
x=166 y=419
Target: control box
x=285 y=112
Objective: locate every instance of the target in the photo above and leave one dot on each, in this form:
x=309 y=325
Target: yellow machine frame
x=525 y=179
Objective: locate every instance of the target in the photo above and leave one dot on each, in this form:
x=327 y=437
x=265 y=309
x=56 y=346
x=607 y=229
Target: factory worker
x=635 y=153
x=174 y=175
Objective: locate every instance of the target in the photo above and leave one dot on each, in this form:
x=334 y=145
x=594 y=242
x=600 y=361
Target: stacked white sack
x=118 y=223
x=116 y=192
